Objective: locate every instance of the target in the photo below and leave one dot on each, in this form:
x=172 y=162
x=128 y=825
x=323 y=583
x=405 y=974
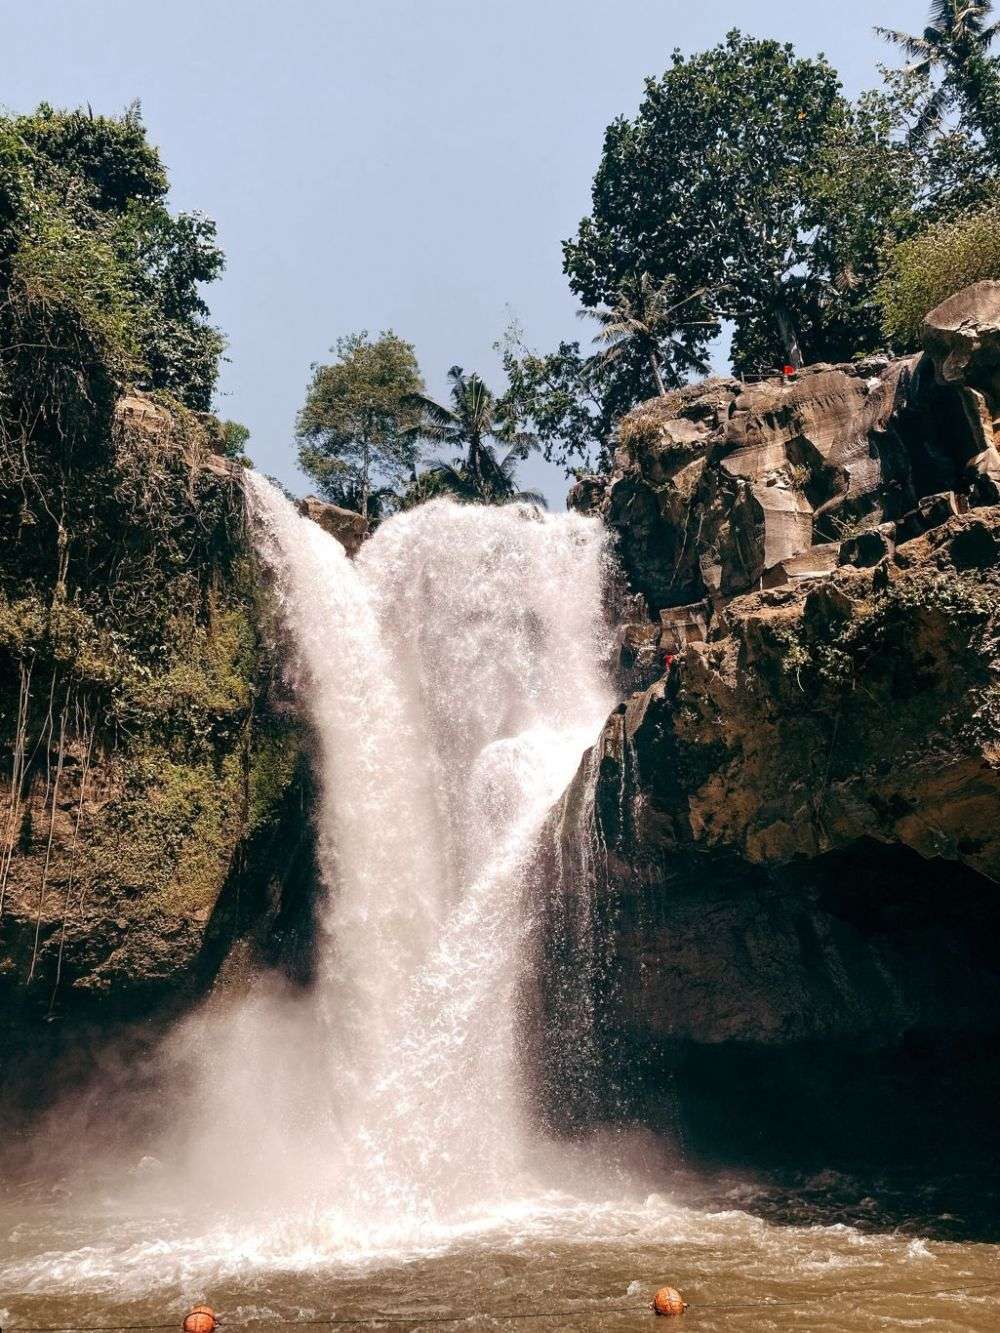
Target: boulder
x=349 y=528
x=869 y=548
x=962 y=339
x=962 y=334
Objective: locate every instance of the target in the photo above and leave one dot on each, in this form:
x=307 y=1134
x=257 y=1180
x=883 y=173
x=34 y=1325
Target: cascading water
x=453 y=676
x=364 y=1146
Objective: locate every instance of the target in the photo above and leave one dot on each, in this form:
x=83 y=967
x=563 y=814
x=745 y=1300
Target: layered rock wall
x=796 y=811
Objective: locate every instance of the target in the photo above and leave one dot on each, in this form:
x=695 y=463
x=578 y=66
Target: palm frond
x=436 y=413
x=522 y=444
x=930 y=118
x=915 y=47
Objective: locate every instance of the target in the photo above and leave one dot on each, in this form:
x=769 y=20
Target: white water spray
x=453 y=678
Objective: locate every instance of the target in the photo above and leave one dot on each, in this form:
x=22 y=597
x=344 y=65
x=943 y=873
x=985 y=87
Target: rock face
x=722 y=487
x=349 y=528
x=962 y=337
x=794 y=819
x=151 y=770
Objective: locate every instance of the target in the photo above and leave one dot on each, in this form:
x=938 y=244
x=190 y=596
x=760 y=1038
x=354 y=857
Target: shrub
x=928 y=268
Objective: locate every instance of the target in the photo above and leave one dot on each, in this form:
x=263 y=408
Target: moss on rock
x=141 y=754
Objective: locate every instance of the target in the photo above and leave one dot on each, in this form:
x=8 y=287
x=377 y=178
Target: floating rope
x=377 y=1321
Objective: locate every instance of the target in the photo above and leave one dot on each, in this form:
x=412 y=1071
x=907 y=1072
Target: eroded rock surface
x=349 y=528
x=721 y=487
x=792 y=823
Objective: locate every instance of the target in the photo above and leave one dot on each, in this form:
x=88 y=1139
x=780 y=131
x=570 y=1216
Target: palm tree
x=956 y=41
x=646 y=316
x=468 y=426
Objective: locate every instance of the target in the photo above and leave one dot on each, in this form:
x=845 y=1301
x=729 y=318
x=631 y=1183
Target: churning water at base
x=453 y=677
x=367 y=1146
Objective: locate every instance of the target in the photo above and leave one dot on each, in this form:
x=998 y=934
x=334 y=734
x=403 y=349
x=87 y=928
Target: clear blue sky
x=411 y=164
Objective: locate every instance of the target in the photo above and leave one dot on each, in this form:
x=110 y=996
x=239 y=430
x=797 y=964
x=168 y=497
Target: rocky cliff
x=152 y=782
x=795 y=812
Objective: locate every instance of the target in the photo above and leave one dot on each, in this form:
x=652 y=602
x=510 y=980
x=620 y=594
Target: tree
x=96 y=275
x=98 y=182
x=357 y=426
x=468 y=426
x=955 y=44
x=925 y=269
x=571 y=401
x=715 y=183
x=664 y=331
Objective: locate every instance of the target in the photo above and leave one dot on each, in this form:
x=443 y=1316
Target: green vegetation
x=713 y=184
x=747 y=192
x=356 y=431
x=130 y=640
x=748 y=188
x=475 y=417
x=874 y=642
x=91 y=259
x=926 y=269
x=649 y=319
x=955 y=43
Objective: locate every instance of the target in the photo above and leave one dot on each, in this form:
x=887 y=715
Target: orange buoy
x=201 y=1320
x=668 y=1300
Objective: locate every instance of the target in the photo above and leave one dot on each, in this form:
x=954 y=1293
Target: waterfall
x=453 y=676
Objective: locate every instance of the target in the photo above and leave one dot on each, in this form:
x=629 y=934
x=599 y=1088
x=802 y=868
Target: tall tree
x=356 y=429
x=96 y=181
x=474 y=426
x=715 y=183
x=955 y=44
x=663 y=328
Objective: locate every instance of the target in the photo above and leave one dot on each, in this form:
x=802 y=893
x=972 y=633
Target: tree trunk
x=365 y=486
x=654 y=365
x=475 y=465
x=789 y=336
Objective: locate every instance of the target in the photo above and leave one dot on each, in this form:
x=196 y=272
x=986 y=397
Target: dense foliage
x=715 y=183
x=926 y=269
x=474 y=427
x=357 y=428
x=753 y=191
x=124 y=542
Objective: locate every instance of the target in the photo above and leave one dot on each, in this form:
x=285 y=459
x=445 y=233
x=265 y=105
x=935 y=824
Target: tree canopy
x=357 y=427
x=84 y=227
x=100 y=290
x=727 y=177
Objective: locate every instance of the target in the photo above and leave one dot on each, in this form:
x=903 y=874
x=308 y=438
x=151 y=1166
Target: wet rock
x=798 y=824
x=349 y=528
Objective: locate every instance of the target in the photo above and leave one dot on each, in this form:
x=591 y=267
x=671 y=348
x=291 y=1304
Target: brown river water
x=567 y=1263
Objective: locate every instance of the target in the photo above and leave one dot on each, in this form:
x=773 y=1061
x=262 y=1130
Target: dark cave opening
x=885 y=1063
